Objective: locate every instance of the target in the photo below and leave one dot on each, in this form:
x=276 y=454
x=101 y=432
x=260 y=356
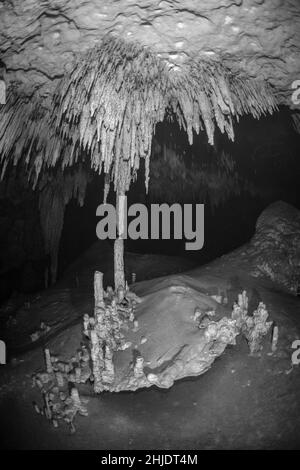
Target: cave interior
x=182 y=103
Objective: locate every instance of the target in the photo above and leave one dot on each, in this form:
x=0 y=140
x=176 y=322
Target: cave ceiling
x=39 y=40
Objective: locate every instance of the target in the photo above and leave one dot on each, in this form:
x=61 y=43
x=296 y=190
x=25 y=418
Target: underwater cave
x=149 y=225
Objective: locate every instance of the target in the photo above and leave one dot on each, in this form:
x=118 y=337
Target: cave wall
x=22 y=256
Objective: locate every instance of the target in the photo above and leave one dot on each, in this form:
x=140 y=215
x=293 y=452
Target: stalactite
x=106 y=188
x=56 y=192
x=52 y=208
x=98 y=290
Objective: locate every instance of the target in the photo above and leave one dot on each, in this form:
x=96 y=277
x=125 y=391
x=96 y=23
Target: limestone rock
x=39 y=40
x=277 y=245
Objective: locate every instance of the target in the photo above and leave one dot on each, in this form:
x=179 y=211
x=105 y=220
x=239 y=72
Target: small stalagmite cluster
x=253 y=327
x=58 y=386
x=92 y=362
x=114 y=311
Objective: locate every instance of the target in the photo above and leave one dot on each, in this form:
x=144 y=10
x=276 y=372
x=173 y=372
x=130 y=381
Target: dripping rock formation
x=39 y=40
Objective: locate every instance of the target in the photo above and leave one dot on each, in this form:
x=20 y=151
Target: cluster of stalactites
x=58 y=387
x=109 y=104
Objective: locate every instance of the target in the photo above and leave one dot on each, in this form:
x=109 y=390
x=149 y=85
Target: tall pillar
x=119 y=242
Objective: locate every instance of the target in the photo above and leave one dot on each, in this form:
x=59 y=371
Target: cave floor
x=241 y=402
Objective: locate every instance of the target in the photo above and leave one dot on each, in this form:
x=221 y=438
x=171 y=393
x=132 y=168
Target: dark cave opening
x=264 y=155
x=234 y=180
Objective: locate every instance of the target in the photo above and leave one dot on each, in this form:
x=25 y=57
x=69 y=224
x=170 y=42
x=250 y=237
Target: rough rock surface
x=167 y=336
x=242 y=402
x=22 y=253
x=274 y=251
x=175 y=347
x=277 y=245
x=39 y=39
x=64 y=303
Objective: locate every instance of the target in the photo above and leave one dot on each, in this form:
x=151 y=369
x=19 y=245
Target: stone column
x=119 y=242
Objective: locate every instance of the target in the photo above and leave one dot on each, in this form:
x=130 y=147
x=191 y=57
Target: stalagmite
x=109 y=293
x=139 y=367
x=96 y=355
x=108 y=374
x=119 y=242
x=60 y=379
x=243 y=302
x=75 y=397
x=98 y=290
x=275 y=336
x=119 y=263
x=131 y=315
x=111 y=106
x=77 y=375
x=86 y=322
x=49 y=367
x=113 y=311
x=56 y=404
x=254 y=327
x=36 y=407
x=106 y=188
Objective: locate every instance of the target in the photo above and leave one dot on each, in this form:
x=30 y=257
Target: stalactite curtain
x=108 y=106
x=105 y=111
